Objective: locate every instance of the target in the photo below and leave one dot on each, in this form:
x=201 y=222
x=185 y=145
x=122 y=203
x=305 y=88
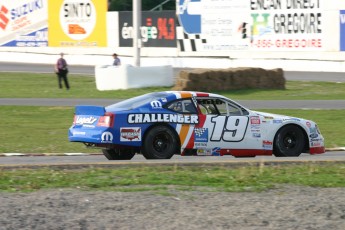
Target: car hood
x=276 y=116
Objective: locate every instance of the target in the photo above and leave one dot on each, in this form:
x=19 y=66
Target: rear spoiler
x=89 y=110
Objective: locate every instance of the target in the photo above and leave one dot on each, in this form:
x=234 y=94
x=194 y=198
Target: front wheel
x=160 y=143
x=289 y=142
x=118 y=154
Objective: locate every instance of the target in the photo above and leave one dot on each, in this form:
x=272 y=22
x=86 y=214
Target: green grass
x=43 y=129
x=29 y=85
x=165 y=178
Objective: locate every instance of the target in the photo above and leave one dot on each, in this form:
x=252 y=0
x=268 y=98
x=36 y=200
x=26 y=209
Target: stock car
x=161 y=124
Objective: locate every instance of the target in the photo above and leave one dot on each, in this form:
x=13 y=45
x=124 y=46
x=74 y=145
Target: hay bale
x=230 y=79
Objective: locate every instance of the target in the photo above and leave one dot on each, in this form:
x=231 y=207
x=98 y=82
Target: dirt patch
x=288 y=207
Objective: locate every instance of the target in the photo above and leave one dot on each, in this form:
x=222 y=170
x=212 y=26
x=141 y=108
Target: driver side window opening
x=183 y=106
x=215 y=106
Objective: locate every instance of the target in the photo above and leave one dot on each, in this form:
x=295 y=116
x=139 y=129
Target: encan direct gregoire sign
x=77 y=23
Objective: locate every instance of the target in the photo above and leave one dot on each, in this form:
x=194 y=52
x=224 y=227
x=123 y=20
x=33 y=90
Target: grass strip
x=163 y=178
x=34 y=85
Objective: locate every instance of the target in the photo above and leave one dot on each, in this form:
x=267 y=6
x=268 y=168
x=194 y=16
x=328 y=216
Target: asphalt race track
x=86 y=160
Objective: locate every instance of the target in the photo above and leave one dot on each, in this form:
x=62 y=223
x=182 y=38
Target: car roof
x=187 y=94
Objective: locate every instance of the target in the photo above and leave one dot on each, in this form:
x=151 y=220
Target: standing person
x=61 y=69
x=117 y=60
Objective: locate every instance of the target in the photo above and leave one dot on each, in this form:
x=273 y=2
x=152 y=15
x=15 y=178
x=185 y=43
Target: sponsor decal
x=256 y=135
x=200 y=144
x=255 y=120
x=267 y=145
x=314 y=135
x=277 y=121
x=216 y=151
x=156 y=104
x=107 y=137
x=201 y=134
x=130 y=134
x=79 y=133
x=85 y=120
x=267 y=119
x=204 y=152
x=316 y=143
x=308 y=124
x=158 y=117
x=316 y=139
x=293 y=119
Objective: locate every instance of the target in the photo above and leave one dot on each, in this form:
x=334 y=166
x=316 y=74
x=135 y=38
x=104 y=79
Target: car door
x=224 y=122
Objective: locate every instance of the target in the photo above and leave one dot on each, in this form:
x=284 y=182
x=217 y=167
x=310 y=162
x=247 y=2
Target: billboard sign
x=77 y=23
x=213 y=25
x=157 y=29
x=287 y=25
x=23 y=23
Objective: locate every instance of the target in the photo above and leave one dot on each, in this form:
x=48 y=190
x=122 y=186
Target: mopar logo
x=156 y=104
x=189 y=15
x=107 y=137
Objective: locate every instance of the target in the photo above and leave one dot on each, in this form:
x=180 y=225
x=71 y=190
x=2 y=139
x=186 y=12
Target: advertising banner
x=77 y=23
x=23 y=23
x=287 y=25
x=157 y=29
x=342 y=30
x=213 y=25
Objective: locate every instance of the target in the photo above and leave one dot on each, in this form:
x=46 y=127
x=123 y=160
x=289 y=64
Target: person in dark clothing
x=61 y=69
x=117 y=61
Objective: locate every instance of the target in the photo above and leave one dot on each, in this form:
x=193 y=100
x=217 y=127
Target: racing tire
x=160 y=143
x=117 y=154
x=289 y=142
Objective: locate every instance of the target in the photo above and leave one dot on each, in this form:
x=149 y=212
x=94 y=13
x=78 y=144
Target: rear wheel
x=118 y=154
x=160 y=143
x=289 y=142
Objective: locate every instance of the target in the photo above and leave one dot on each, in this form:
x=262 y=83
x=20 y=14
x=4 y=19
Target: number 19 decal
x=230 y=128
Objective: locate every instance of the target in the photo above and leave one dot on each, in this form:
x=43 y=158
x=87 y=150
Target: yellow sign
x=77 y=23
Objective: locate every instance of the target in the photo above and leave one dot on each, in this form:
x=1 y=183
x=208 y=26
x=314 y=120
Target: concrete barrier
x=128 y=77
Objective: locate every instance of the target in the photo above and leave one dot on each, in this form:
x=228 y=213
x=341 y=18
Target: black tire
x=118 y=154
x=289 y=142
x=160 y=143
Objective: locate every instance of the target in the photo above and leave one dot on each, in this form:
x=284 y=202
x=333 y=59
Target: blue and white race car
x=161 y=124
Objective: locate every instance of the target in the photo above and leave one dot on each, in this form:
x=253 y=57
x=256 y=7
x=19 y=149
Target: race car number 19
x=230 y=128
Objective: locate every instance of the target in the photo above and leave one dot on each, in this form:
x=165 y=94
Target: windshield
x=136 y=102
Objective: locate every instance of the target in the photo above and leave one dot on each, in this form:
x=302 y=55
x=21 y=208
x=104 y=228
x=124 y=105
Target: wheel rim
x=290 y=140
x=161 y=142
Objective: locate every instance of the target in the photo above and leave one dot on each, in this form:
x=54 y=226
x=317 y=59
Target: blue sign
x=189 y=17
x=37 y=38
x=201 y=134
x=342 y=30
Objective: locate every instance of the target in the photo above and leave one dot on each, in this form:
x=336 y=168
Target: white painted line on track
x=76 y=154
x=14 y=154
